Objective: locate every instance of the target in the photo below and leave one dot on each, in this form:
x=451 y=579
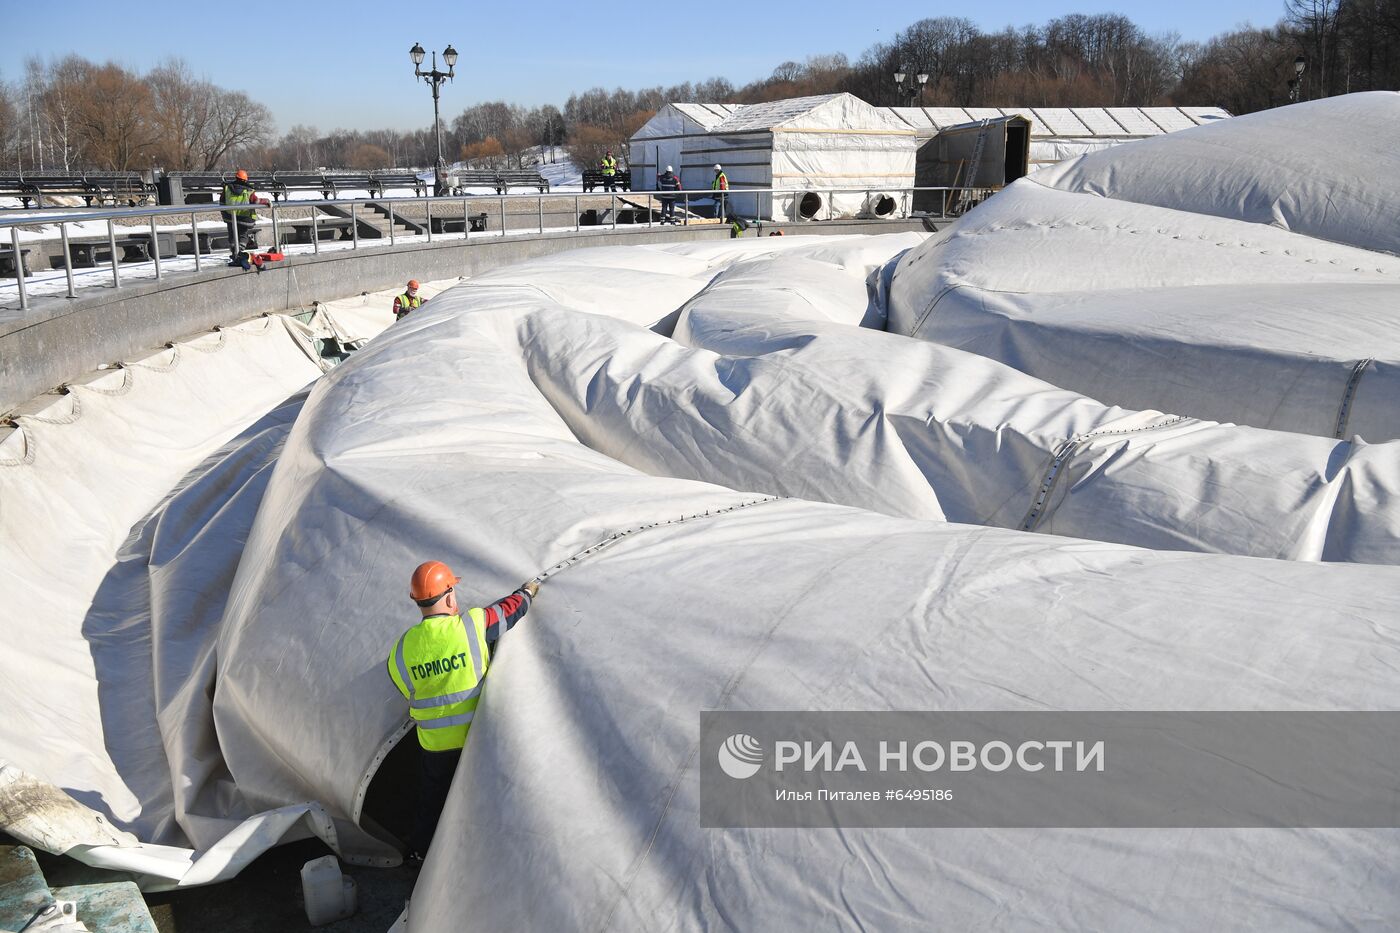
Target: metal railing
x=649 y=204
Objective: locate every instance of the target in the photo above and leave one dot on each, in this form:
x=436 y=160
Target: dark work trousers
x=668 y=208
x=435 y=771
x=240 y=231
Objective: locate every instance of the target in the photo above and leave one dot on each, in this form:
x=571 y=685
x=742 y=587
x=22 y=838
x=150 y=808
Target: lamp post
x=435 y=79
x=1295 y=86
x=915 y=87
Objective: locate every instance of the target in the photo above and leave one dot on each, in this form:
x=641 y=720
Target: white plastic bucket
x=329 y=894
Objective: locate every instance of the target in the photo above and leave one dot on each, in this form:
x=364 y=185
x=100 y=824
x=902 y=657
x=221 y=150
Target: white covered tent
x=806 y=145
x=660 y=140
x=800 y=512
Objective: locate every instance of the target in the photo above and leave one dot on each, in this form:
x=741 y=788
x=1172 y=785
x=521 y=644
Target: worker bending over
x=408 y=301
x=241 y=223
x=438 y=666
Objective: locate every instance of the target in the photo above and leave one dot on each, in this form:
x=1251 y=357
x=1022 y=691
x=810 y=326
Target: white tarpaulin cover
x=871 y=522
x=1193 y=273
x=580 y=777
x=123 y=509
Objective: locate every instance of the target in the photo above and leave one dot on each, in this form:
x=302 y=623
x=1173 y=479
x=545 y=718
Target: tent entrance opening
x=1017 y=151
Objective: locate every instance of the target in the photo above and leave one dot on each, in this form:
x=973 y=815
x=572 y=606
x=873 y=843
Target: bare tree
x=1315 y=23
x=61 y=100
x=236 y=122
x=9 y=121
x=35 y=83
x=184 y=112
x=1242 y=71
x=787 y=71
x=116 y=118
x=367 y=156
x=301 y=147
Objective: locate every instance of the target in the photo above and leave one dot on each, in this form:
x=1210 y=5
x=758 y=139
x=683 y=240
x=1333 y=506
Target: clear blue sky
x=346 y=63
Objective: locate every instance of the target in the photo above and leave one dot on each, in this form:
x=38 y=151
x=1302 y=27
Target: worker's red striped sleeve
x=509 y=610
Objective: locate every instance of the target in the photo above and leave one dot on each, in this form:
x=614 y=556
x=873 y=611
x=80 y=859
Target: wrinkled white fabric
x=579 y=779
x=126 y=504
x=1324 y=168
x=1151 y=277
x=800 y=515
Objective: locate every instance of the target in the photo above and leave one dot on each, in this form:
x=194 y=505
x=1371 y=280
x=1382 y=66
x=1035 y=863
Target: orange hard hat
x=241 y=175
x=412 y=283
x=431 y=581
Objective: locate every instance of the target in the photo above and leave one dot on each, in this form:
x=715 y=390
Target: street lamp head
x=899 y=77
x=923 y=78
x=1299 y=64
x=449 y=55
x=416 y=53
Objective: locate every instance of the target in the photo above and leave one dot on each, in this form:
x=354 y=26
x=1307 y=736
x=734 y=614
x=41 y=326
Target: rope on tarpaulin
x=617 y=536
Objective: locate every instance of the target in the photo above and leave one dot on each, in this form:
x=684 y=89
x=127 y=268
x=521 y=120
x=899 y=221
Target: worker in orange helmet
x=408 y=301
x=242 y=223
x=438 y=666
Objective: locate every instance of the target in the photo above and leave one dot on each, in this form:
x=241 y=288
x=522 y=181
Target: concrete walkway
x=58 y=338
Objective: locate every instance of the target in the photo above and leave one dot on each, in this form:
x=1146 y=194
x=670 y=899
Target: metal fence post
x=19 y=269
x=354 y=226
x=67 y=257
x=578 y=219
x=685 y=221
x=112 y=254
x=315 y=231
x=155 y=246
x=466 y=221
x=613 y=210
x=391 y=223
x=539 y=208
x=428 y=208
x=276 y=231
x=503 y=215
x=194 y=240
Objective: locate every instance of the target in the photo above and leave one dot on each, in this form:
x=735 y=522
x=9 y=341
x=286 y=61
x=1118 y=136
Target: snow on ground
x=85 y=229
x=51 y=282
x=555 y=166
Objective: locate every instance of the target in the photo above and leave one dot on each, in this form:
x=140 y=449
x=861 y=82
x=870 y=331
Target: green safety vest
x=718 y=178
x=438 y=665
x=609 y=165
x=407 y=304
x=240 y=198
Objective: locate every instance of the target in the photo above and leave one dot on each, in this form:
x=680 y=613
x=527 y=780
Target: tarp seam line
x=370 y=770
x=1348 y=396
x=933 y=304
x=1066 y=452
